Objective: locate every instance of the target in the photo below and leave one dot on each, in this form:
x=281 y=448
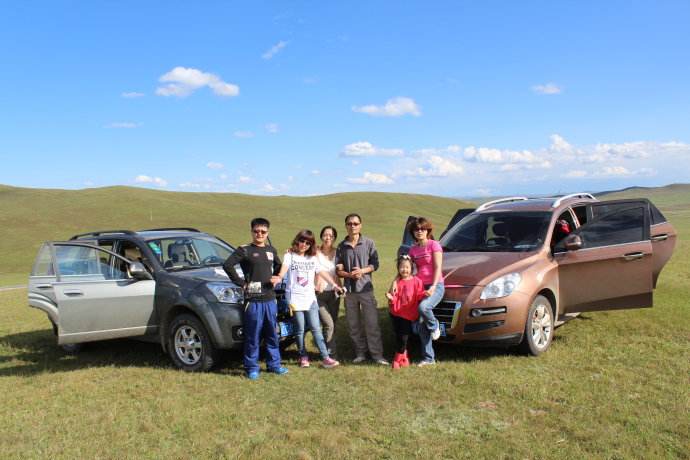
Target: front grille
x=445 y=311
x=477 y=327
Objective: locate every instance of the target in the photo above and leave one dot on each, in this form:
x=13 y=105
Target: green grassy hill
x=30 y=216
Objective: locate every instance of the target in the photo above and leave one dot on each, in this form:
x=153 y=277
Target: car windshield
x=186 y=253
x=498 y=232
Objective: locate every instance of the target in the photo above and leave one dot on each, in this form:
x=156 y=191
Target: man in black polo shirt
x=356 y=259
x=260 y=263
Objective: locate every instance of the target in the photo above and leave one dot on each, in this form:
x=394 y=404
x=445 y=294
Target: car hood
x=472 y=268
x=204 y=274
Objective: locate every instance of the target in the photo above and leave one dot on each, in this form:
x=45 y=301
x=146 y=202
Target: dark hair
x=405 y=258
x=327 y=227
x=305 y=235
x=421 y=222
x=351 y=215
x=259 y=221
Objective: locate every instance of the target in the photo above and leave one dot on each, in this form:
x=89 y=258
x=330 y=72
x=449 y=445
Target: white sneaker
x=382 y=362
x=437 y=333
x=359 y=359
x=426 y=362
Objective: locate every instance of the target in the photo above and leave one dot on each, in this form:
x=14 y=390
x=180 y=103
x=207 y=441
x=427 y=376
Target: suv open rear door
x=612 y=268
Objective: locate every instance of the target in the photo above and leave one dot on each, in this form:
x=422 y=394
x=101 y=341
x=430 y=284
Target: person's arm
x=229 y=266
x=437 y=260
x=373 y=259
x=281 y=268
x=339 y=265
x=324 y=275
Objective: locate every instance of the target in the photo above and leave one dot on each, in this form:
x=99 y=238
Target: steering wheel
x=211 y=260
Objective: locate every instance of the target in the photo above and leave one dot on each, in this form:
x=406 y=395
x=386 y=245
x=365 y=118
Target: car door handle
x=633 y=256
x=44 y=286
x=662 y=237
x=73 y=292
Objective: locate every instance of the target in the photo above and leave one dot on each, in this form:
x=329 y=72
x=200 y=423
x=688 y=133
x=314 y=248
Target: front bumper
x=469 y=320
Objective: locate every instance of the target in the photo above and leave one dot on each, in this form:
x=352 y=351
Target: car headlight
x=501 y=287
x=226 y=293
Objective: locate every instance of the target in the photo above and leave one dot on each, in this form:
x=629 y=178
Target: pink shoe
x=329 y=363
x=303 y=361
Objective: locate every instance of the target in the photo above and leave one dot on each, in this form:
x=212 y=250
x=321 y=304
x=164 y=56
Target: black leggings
x=403 y=330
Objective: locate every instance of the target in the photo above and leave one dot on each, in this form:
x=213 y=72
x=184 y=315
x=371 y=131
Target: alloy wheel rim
x=188 y=345
x=541 y=326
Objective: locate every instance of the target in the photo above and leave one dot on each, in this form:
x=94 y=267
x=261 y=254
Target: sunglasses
x=352 y=224
x=303 y=241
x=260 y=232
x=420 y=229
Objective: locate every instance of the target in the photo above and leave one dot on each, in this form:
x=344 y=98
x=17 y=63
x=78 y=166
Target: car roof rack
x=102 y=232
x=557 y=202
x=501 y=200
x=165 y=229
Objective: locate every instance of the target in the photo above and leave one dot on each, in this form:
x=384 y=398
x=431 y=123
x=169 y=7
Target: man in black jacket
x=260 y=263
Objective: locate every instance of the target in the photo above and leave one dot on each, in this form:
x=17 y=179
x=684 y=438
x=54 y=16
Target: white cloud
x=183 y=81
x=396 y=107
x=272 y=128
x=511 y=159
x=132 y=95
x=243 y=134
x=244 y=179
x=483 y=155
x=123 y=125
x=438 y=166
x=548 y=89
x=315 y=172
x=268 y=188
x=143 y=179
x=560 y=145
x=366 y=149
x=575 y=174
x=371 y=178
x=275 y=49
x=214 y=165
x=453 y=148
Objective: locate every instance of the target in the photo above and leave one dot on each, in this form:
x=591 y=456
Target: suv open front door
x=97 y=299
x=612 y=269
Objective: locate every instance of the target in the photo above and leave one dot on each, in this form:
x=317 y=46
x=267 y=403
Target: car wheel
x=189 y=344
x=538 y=327
x=71 y=348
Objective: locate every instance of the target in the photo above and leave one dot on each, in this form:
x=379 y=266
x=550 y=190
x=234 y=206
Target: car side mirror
x=573 y=242
x=138 y=271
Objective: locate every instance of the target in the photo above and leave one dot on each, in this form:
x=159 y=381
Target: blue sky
x=302 y=98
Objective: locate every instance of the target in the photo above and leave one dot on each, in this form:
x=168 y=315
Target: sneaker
x=382 y=362
x=359 y=359
x=303 y=361
x=253 y=375
x=426 y=362
x=279 y=370
x=329 y=363
x=437 y=333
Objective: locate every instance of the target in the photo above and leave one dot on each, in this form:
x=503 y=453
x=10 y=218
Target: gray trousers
x=363 y=321
x=329 y=306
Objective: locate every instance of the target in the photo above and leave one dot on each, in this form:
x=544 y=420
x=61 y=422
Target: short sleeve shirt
x=423 y=258
x=300 y=280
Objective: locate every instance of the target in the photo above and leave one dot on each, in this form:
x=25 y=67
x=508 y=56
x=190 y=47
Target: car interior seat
x=177 y=252
x=500 y=238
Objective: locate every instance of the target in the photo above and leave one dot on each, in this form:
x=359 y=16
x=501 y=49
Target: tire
x=539 y=327
x=189 y=344
x=71 y=348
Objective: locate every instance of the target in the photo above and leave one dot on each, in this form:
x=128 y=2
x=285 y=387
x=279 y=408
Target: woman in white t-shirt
x=302 y=268
x=329 y=301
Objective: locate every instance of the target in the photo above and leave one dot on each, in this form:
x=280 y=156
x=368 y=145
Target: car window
x=617 y=227
x=44 y=262
x=656 y=217
x=581 y=214
x=181 y=253
x=85 y=263
x=498 y=232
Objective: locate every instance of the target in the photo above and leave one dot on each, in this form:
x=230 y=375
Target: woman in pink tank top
x=428 y=256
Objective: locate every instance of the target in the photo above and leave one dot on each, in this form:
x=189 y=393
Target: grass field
x=613 y=384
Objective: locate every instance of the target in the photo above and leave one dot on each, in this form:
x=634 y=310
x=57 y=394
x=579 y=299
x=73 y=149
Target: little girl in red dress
x=404 y=296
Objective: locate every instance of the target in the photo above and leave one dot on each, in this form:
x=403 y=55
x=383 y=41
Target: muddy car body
x=515 y=268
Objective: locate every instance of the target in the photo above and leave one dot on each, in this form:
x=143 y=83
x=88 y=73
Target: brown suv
x=515 y=268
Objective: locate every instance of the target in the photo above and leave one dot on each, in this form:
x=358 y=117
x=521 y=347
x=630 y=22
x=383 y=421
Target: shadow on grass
x=37 y=352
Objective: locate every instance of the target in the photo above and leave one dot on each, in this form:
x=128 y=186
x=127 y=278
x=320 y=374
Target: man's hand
x=356 y=273
x=389 y=296
x=275 y=280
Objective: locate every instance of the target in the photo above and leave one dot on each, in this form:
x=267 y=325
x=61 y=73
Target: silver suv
x=162 y=285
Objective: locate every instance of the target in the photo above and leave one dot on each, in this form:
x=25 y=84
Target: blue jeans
x=311 y=318
x=429 y=323
x=260 y=323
